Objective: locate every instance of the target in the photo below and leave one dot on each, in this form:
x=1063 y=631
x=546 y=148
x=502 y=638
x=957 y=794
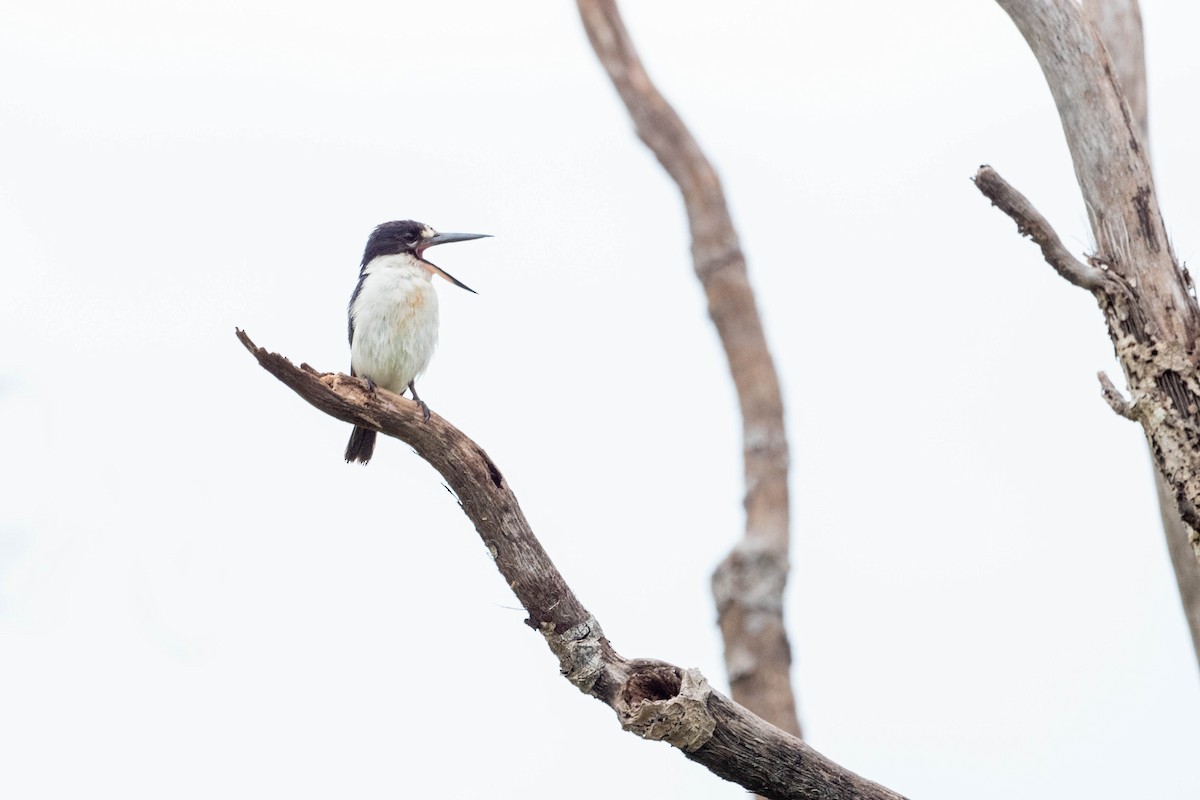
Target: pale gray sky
x=198 y=598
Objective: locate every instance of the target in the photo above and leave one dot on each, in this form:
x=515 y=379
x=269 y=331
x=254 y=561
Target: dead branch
x=1152 y=316
x=1031 y=223
x=748 y=585
x=652 y=699
x=1120 y=26
x=1112 y=396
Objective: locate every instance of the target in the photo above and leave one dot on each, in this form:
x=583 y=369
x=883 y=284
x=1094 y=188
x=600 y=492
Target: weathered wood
x=749 y=583
x=1031 y=223
x=1109 y=158
x=1120 y=26
x=652 y=699
x=1151 y=311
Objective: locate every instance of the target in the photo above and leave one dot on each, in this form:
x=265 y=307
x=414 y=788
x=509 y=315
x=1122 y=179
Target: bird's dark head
x=408 y=236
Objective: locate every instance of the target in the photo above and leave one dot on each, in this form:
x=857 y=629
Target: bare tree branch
x=1110 y=162
x=1120 y=26
x=1187 y=571
x=1031 y=223
x=1154 y=326
x=652 y=699
x=748 y=585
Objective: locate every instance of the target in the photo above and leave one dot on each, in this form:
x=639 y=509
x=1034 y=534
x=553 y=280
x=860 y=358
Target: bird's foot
x=416 y=397
x=371 y=387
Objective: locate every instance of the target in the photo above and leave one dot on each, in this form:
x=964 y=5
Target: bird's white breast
x=395 y=322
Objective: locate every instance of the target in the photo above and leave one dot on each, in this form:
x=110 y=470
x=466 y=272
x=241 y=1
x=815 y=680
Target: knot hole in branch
x=650 y=683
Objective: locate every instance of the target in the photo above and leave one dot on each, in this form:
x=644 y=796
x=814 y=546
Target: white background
x=199 y=599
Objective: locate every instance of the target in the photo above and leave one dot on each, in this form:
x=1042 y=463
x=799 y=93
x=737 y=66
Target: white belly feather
x=395 y=323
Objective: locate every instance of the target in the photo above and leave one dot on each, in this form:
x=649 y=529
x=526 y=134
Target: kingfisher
x=393 y=314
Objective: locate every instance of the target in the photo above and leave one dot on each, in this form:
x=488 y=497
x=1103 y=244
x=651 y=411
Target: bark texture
x=653 y=699
x=1146 y=298
x=748 y=585
x=1120 y=26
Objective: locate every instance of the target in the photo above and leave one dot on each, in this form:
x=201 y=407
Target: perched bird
x=394 y=314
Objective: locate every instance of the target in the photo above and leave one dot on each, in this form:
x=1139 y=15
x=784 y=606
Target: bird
x=393 y=315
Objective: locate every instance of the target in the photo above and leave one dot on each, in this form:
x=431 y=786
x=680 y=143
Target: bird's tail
x=361 y=446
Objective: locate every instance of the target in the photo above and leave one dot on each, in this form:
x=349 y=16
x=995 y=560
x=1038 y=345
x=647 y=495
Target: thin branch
x=1031 y=223
x=652 y=699
x=748 y=585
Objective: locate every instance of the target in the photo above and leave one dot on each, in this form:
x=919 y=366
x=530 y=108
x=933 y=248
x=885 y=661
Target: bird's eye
x=410 y=240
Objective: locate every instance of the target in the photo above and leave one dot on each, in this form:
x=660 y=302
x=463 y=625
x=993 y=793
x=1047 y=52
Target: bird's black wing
x=350 y=308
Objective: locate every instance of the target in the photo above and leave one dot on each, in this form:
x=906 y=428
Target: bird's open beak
x=447 y=238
